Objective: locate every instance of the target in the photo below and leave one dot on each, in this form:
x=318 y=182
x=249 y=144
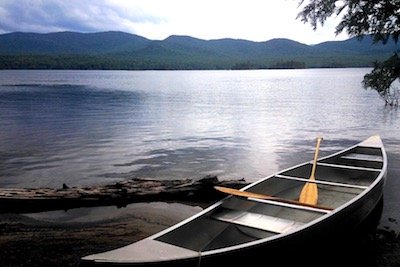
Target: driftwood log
x=20 y=200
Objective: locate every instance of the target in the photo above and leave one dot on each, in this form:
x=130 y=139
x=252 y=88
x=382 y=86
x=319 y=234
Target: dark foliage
x=381 y=18
x=378 y=18
x=382 y=79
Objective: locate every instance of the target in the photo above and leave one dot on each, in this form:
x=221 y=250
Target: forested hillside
x=119 y=50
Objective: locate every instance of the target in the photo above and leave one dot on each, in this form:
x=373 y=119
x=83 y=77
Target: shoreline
x=59 y=238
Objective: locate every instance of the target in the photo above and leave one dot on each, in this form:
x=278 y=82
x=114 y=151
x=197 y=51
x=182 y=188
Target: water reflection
x=91 y=127
x=86 y=127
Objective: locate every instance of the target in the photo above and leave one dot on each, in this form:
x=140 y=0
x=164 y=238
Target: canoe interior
x=239 y=220
x=209 y=232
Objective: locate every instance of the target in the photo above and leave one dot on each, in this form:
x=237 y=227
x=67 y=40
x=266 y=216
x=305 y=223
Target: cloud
x=256 y=20
x=71 y=15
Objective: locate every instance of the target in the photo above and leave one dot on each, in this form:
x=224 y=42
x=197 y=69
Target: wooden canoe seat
x=256 y=220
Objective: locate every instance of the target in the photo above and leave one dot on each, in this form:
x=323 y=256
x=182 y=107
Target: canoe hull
x=356 y=202
x=341 y=231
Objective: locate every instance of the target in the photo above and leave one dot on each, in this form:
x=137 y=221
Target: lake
x=92 y=127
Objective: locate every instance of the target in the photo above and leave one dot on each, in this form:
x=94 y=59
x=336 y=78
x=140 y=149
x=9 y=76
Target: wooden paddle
x=240 y=193
x=309 y=193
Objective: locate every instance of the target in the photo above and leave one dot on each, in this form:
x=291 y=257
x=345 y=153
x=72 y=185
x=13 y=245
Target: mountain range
x=119 y=50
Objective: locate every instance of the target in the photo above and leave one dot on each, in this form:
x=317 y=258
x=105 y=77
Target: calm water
x=85 y=127
x=90 y=127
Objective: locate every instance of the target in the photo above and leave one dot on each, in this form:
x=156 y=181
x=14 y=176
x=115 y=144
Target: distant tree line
x=290 y=64
x=112 y=62
x=83 y=62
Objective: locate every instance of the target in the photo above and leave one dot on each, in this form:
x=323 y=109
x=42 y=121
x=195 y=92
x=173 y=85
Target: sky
x=255 y=20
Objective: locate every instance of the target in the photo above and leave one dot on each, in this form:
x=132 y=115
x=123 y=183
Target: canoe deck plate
x=145 y=250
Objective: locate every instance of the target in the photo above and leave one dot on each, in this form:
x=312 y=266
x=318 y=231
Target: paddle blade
x=309 y=194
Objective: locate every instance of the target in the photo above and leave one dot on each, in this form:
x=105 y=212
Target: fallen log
x=22 y=200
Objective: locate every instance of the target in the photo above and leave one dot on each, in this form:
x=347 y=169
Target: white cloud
x=257 y=20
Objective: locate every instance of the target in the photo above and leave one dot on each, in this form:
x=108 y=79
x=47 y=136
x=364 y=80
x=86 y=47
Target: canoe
x=240 y=228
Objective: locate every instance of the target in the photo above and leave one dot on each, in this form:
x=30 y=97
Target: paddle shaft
x=237 y=192
x=314 y=167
